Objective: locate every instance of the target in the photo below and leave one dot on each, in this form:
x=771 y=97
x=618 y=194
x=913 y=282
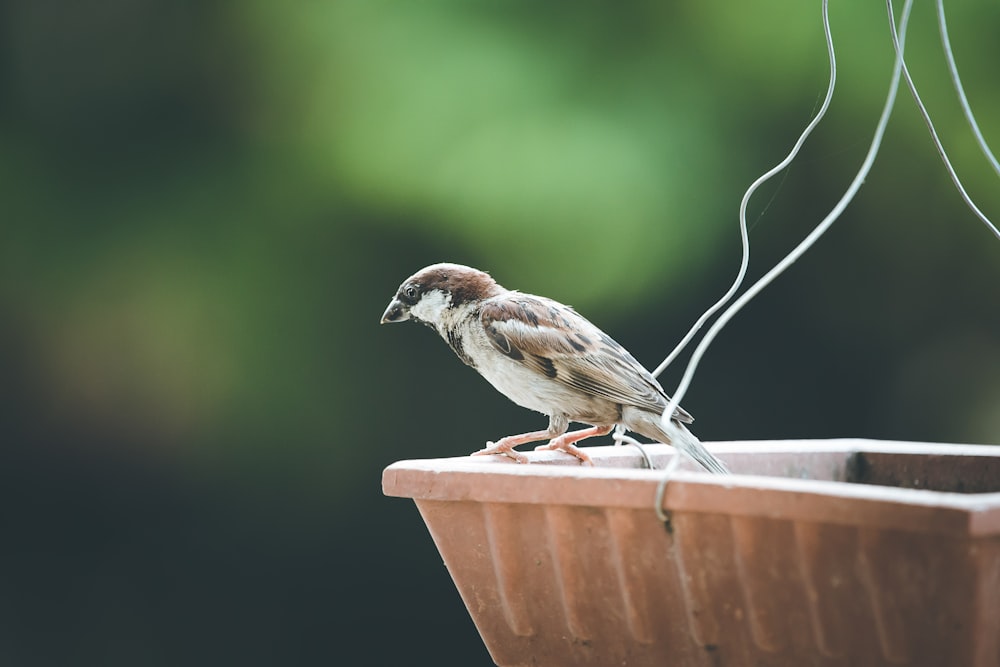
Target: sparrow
x=543 y=356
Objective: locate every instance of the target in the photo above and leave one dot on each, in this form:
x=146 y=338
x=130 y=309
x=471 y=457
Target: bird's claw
x=503 y=449
x=569 y=448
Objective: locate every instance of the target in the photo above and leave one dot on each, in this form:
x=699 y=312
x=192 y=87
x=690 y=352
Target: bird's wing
x=557 y=342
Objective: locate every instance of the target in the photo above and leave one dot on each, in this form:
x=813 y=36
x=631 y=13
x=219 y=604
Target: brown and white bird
x=542 y=355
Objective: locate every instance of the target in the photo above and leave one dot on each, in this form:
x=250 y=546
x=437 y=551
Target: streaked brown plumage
x=542 y=355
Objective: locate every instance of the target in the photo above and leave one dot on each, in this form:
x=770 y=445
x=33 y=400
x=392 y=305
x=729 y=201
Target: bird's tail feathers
x=693 y=448
x=648 y=424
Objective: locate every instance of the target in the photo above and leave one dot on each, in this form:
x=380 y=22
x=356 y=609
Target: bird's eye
x=410 y=292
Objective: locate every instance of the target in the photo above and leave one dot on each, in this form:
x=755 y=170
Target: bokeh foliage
x=206 y=206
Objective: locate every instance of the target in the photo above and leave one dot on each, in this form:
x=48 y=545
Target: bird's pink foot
x=506 y=445
x=568 y=447
x=565 y=442
x=505 y=448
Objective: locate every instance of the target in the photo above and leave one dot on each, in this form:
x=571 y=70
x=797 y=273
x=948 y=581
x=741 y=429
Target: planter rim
x=617 y=481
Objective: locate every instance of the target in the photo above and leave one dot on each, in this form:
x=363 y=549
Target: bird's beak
x=396 y=312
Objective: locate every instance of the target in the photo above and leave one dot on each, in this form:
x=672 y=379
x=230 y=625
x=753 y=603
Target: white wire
x=953 y=69
x=744 y=237
x=661 y=488
x=934 y=136
x=805 y=244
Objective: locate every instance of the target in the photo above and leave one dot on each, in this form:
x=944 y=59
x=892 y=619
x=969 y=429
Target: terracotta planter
x=843 y=552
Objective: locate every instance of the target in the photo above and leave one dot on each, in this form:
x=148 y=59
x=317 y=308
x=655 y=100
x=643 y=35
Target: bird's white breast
x=526 y=387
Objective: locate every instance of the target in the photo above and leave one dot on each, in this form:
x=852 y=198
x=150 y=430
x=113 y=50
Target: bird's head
x=434 y=292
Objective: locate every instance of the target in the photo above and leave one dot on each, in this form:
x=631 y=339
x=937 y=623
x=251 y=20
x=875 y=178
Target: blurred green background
x=207 y=205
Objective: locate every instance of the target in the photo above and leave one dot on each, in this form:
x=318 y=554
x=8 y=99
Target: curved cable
x=744 y=236
x=953 y=69
x=934 y=136
x=804 y=245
